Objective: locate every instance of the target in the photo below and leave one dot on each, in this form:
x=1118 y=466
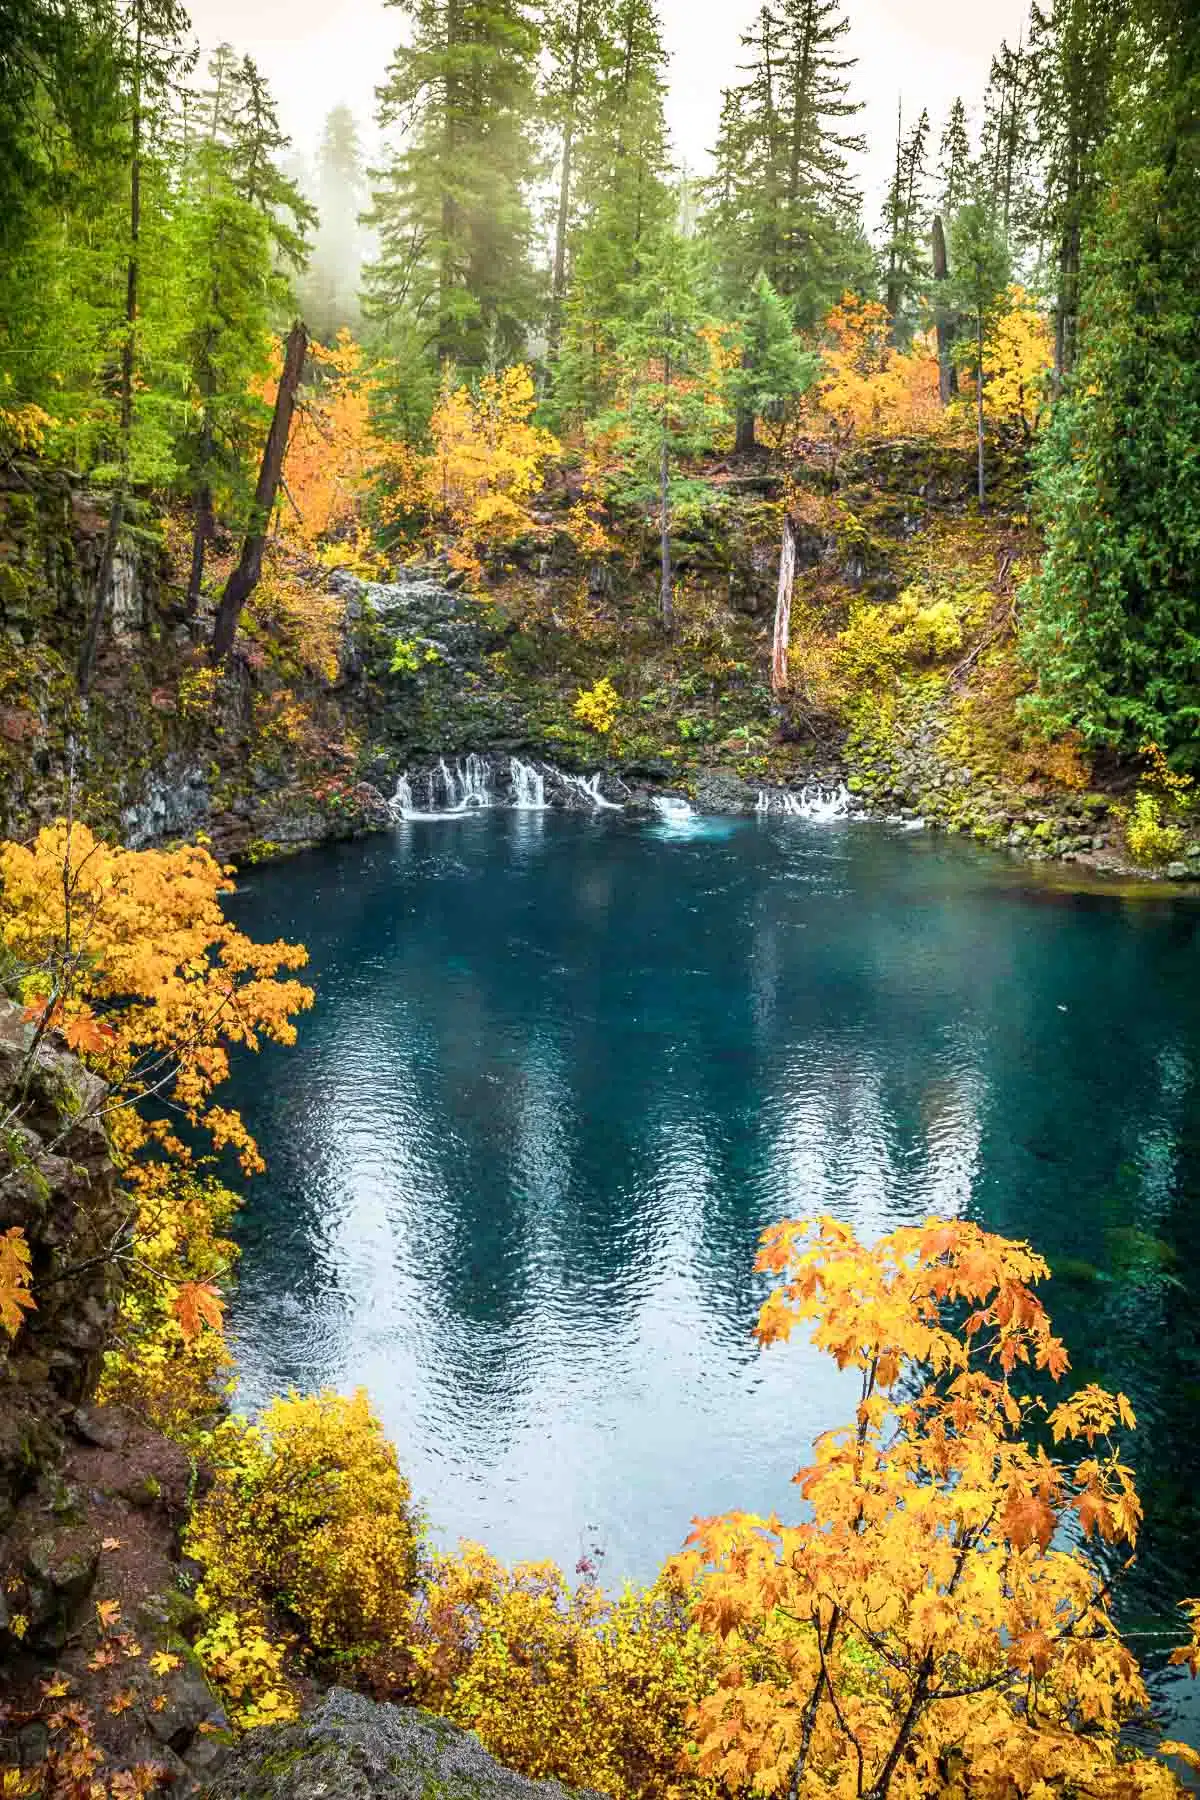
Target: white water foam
x=528 y=786
x=590 y=785
x=673 y=811
x=817 y=804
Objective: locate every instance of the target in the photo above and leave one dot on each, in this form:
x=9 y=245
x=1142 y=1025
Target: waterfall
x=672 y=811
x=818 y=804
x=402 y=800
x=590 y=785
x=463 y=787
x=528 y=786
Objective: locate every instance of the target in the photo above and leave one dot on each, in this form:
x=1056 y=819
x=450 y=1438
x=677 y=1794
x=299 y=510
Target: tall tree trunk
x=783 y=609
x=446 y=261
x=944 y=324
x=664 y=520
x=86 y=666
x=979 y=400
x=559 y=286
x=203 y=524
x=744 y=442
x=244 y=579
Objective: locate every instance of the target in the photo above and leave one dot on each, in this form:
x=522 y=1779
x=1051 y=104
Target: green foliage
x=1112 y=622
x=450 y=203
x=772 y=367
x=409 y=656
x=781 y=199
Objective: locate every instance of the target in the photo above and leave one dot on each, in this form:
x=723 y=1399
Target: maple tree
x=130 y=957
x=867 y=385
x=935 y=1624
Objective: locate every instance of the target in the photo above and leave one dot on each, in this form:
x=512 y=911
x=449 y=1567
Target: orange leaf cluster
x=15 y=1297
x=932 y=1615
x=868 y=387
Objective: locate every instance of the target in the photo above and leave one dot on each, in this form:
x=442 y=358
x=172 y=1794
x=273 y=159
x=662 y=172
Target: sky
x=317 y=53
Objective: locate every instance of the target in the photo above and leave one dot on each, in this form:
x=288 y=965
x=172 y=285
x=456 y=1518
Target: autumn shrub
x=1148 y=838
x=310 y=1515
x=880 y=640
x=565 y=1682
x=597 y=707
x=867 y=386
x=936 y=1623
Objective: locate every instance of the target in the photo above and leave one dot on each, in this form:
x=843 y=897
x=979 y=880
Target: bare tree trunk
x=202 y=531
x=947 y=374
x=783 y=609
x=745 y=443
x=86 y=665
x=979 y=400
x=244 y=579
x=559 y=287
x=664 y=501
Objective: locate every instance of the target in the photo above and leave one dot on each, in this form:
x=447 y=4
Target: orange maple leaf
x=85 y=1032
x=198 y=1303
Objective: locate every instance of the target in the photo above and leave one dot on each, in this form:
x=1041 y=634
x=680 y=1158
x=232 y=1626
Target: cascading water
x=672 y=811
x=818 y=804
x=590 y=785
x=528 y=786
x=473 y=783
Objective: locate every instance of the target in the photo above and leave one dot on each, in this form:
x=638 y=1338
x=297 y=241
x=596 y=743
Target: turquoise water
x=563 y=1070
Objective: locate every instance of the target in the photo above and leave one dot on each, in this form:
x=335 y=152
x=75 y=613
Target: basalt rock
x=359 y=1749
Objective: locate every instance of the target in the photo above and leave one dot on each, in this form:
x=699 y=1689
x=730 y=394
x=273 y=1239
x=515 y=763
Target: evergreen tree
x=954 y=160
x=979 y=257
x=1072 y=51
x=781 y=199
x=903 y=223
x=1008 y=141
x=577 y=45
x=450 y=204
x=153 y=55
x=1112 y=622
x=669 y=403
x=242 y=221
x=626 y=204
x=772 y=368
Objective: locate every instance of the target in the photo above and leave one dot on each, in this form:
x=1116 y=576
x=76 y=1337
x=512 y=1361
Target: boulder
x=360 y=1749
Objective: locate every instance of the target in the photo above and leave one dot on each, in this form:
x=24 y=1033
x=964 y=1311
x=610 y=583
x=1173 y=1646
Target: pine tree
x=669 y=402
x=954 y=160
x=450 y=204
x=1008 y=140
x=903 y=216
x=773 y=366
x=781 y=199
x=1112 y=621
x=625 y=200
x=153 y=55
x=329 y=291
x=979 y=257
x=242 y=221
x=575 y=37
x=1072 y=55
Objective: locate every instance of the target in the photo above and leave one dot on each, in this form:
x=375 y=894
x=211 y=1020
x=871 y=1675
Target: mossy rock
x=360 y=1749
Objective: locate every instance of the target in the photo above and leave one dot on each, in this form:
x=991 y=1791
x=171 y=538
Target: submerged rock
x=360 y=1749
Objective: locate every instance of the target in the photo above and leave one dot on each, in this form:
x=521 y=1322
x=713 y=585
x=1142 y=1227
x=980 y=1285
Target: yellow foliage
x=597 y=707
x=932 y=1614
x=1148 y=840
x=332 y=446
x=300 y=619
x=881 y=639
x=868 y=387
x=1018 y=357
x=593 y=1691
x=24 y=427
x=248 y=1668
x=130 y=950
x=309 y=1504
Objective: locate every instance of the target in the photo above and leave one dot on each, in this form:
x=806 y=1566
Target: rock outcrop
x=359 y=1749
